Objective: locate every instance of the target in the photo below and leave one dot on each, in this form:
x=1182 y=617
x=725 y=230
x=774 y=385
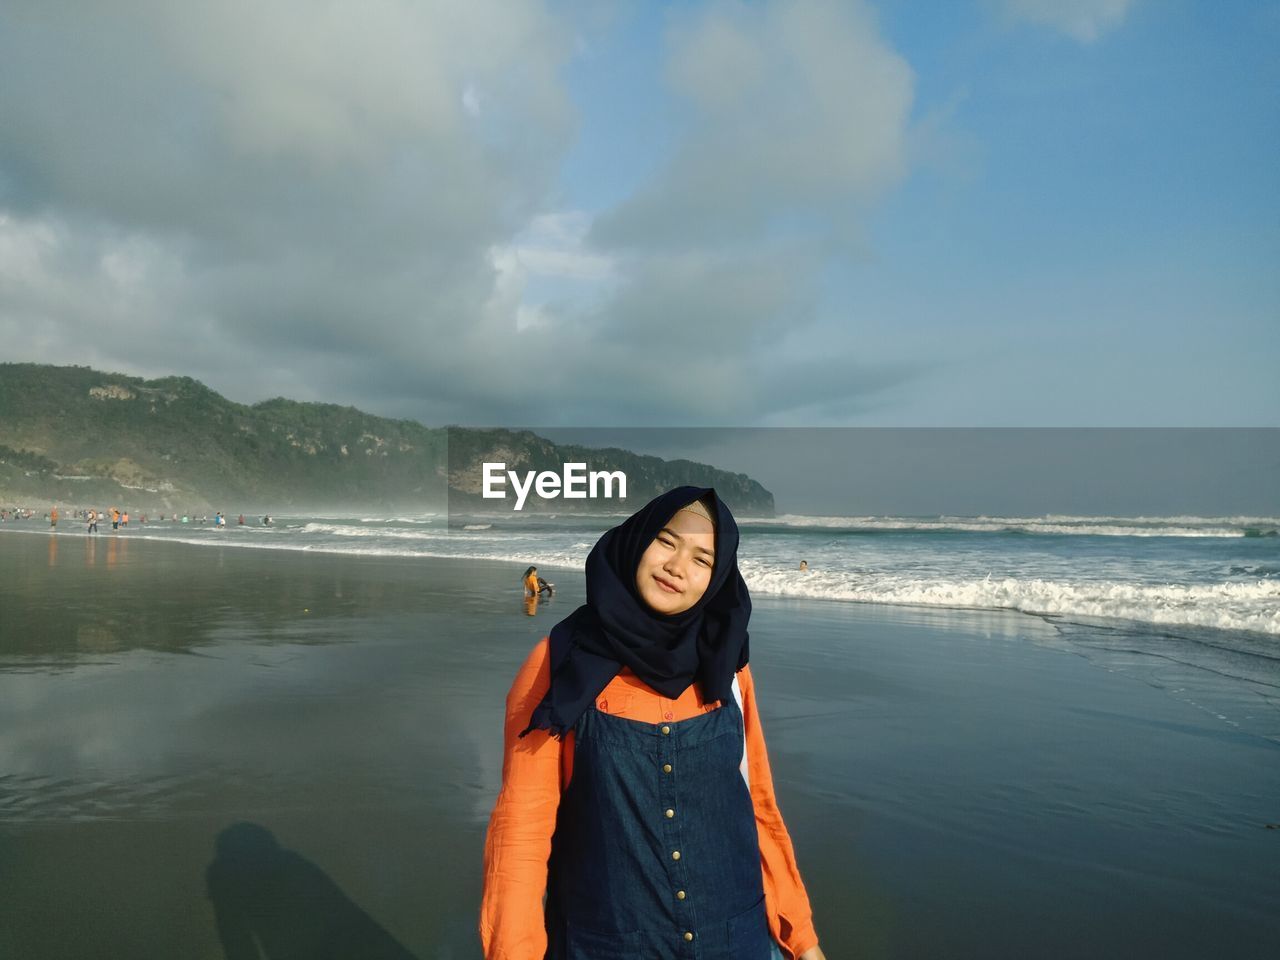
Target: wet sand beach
x=200 y=746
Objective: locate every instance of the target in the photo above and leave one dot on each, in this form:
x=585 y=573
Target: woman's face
x=674 y=571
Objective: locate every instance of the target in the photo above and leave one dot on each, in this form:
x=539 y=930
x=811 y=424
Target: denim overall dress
x=656 y=854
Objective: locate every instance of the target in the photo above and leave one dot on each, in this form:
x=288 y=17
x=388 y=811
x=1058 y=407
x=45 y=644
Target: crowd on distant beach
x=92 y=516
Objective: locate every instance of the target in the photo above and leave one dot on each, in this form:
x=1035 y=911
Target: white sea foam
x=424 y=518
x=380 y=533
x=471 y=535
x=1228 y=606
x=1055 y=524
x=1226 y=584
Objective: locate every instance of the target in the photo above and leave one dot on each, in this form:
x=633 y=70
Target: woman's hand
x=813 y=953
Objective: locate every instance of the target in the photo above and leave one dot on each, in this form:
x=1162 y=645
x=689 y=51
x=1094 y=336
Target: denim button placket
x=678 y=769
x=668 y=741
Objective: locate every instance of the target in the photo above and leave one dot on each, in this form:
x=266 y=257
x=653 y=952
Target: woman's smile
x=667 y=585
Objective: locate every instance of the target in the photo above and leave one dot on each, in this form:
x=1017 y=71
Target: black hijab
x=615 y=628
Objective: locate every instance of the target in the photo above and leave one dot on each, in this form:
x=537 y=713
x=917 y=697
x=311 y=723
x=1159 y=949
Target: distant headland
x=82 y=437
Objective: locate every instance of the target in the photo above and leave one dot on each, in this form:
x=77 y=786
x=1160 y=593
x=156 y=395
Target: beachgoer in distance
x=535 y=586
x=93 y=521
x=53 y=517
x=636 y=792
x=804 y=566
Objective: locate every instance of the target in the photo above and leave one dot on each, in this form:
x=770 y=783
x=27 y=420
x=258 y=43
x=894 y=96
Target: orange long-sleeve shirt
x=537 y=768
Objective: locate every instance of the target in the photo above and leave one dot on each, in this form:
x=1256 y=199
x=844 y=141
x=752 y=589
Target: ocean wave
x=473 y=533
x=1253 y=606
x=1260 y=570
x=1049 y=525
x=424 y=518
x=1171 y=585
x=381 y=533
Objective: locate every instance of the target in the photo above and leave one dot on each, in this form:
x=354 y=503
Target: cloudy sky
x=980 y=213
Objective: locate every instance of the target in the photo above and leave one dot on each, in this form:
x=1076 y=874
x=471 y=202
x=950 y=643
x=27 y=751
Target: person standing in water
x=636 y=791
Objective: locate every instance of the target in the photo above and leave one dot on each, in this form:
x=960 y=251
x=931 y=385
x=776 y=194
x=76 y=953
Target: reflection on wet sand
x=341 y=703
x=160 y=596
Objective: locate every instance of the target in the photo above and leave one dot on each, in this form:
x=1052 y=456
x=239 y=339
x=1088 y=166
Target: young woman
x=636 y=793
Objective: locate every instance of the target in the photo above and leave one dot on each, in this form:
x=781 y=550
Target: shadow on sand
x=273 y=904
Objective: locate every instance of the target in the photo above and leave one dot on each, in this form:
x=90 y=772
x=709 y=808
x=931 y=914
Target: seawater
x=1214 y=573
x=957 y=783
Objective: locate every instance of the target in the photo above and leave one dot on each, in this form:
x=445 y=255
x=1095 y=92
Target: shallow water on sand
x=198 y=745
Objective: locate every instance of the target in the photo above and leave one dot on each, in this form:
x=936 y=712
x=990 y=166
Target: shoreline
x=1232 y=675
x=1053 y=619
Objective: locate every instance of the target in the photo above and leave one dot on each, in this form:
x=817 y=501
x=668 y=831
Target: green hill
x=85 y=438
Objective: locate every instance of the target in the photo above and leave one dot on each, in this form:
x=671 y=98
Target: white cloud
x=532 y=318
x=545 y=270
x=552 y=246
x=226 y=189
x=471 y=100
x=1084 y=20
x=800 y=109
x=798 y=124
x=359 y=203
